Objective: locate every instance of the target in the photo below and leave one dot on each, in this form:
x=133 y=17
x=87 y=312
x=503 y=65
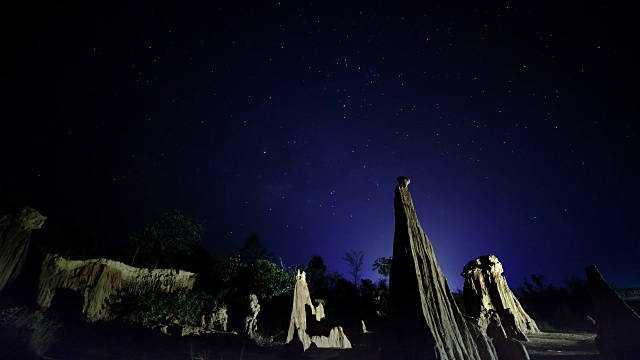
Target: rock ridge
x=103 y=280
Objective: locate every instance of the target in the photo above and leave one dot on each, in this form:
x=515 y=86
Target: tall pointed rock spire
x=425 y=322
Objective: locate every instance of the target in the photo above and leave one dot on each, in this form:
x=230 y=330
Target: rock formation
x=15 y=234
x=214 y=322
x=336 y=339
x=503 y=340
x=486 y=292
x=319 y=310
x=617 y=325
x=298 y=323
x=425 y=322
x=364 y=328
x=251 y=321
x=101 y=280
x=486 y=350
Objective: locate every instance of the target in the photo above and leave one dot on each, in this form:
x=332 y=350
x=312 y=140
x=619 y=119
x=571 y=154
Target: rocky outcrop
x=486 y=293
x=15 y=235
x=502 y=337
x=212 y=323
x=251 y=321
x=298 y=323
x=301 y=299
x=319 y=310
x=486 y=350
x=425 y=322
x=217 y=320
x=336 y=339
x=102 y=280
x=617 y=325
x=364 y=328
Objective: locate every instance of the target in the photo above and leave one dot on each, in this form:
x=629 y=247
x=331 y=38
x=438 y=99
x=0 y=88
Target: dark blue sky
x=518 y=126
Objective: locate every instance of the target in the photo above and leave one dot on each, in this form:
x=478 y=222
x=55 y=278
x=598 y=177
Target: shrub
x=271 y=280
x=154 y=308
x=172 y=241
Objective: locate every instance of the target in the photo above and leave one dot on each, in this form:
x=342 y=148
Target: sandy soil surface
x=113 y=341
x=565 y=346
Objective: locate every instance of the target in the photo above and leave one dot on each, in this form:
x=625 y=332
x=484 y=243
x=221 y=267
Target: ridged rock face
x=100 y=279
x=209 y=324
x=336 y=339
x=15 y=234
x=216 y=321
x=617 y=325
x=486 y=292
x=425 y=322
x=319 y=311
x=251 y=321
x=298 y=323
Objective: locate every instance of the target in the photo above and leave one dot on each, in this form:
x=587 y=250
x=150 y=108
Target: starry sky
x=517 y=124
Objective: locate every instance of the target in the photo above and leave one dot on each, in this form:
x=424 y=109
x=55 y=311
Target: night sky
x=517 y=124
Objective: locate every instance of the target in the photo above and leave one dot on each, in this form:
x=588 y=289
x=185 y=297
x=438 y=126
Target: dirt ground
x=565 y=346
x=112 y=341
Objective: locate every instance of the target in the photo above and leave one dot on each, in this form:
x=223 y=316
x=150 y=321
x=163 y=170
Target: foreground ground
x=565 y=346
x=113 y=341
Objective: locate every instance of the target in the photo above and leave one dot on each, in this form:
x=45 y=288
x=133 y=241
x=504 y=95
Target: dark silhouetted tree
x=381 y=297
x=270 y=280
x=317 y=274
x=383 y=266
x=354 y=259
x=556 y=307
x=536 y=287
x=253 y=250
x=167 y=242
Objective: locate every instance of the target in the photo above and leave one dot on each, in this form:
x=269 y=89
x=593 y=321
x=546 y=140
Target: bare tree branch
x=355 y=260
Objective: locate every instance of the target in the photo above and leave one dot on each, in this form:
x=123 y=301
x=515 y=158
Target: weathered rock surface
x=617 y=325
x=298 y=323
x=486 y=292
x=301 y=298
x=510 y=349
x=217 y=320
x=98 y=280
x=336 y=339
x=502 y=337
x=484 y=345
x=15 y=234
x=425 y=322
x=319 y=310
x=251 y=321
x=364 y=328
x=212 y=323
